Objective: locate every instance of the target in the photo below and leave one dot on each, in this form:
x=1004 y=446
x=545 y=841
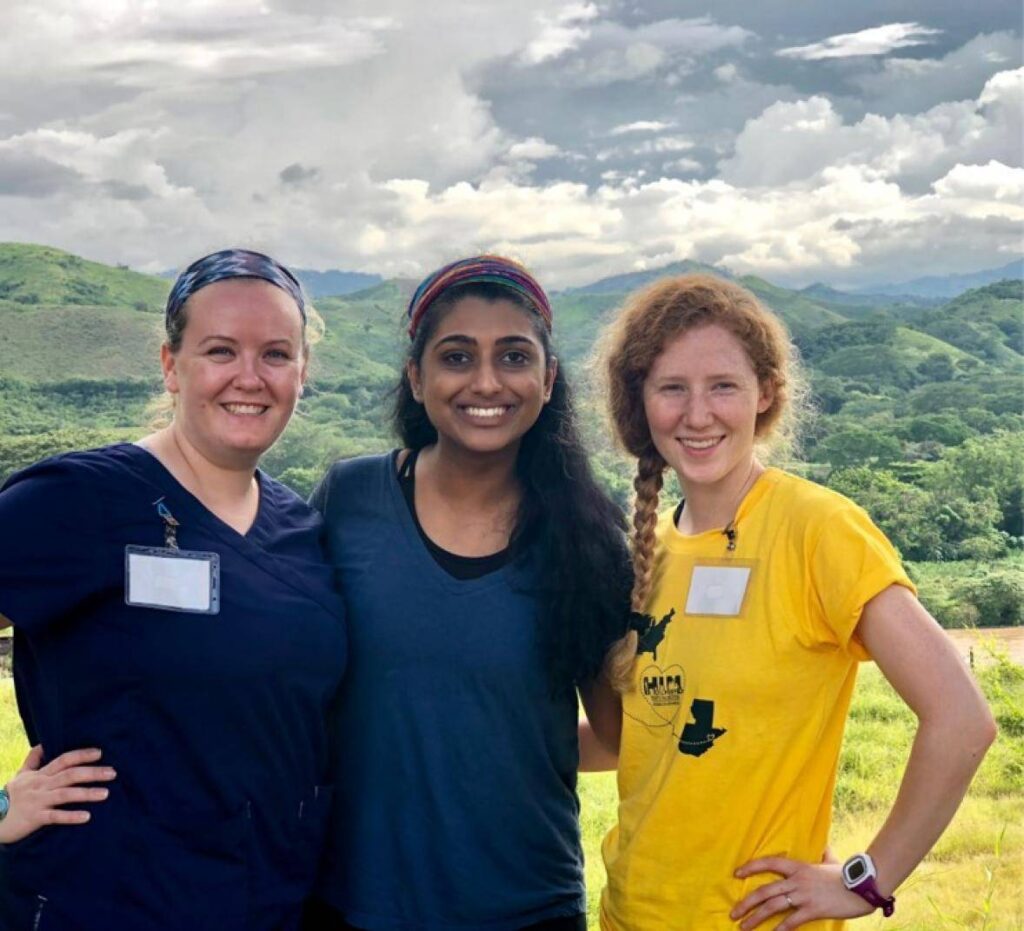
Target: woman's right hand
x=36 y=792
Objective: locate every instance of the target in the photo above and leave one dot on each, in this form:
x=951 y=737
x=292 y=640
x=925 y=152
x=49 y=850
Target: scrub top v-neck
x=214 y=722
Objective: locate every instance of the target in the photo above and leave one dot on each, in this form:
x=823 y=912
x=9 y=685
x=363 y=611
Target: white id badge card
x=174 y=580
x=719 y=590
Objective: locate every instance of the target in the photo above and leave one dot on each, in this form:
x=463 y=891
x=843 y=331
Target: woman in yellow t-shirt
x=753 y=602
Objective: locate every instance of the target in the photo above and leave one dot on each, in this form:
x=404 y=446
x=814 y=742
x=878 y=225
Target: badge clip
x=170 y=524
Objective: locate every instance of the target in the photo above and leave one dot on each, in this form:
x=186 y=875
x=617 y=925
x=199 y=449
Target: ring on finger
x=789 y=901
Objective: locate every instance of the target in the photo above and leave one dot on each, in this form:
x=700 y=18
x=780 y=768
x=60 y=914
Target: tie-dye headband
x=484 y=269
x=232 y=263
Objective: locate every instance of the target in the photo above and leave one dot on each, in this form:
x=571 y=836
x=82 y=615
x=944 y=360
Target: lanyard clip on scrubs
x=170 y=524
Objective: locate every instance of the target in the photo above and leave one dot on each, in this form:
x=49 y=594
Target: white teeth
x=700 y=444
x=486 y=411
x=248 y=409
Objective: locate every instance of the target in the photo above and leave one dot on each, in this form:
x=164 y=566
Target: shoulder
x=809 y=505
x=350 y=480
x=283 y=501
x=72 y=470
x=834 y=530
x=361 y=467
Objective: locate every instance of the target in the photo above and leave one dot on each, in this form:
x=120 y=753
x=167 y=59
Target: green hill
x=32 y=275
x=800 y=312
x=900 y=388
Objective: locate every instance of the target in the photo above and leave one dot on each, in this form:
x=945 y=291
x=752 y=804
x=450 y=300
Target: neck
x=470 y=481
x=212 y=483
x=713 y=507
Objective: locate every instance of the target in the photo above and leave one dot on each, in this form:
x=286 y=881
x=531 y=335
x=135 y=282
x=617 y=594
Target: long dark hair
x=566 y=525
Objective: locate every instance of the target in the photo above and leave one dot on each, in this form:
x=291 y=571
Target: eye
x=672 y=388
x=278 y=355
x=517 y=357
x=224 y=352
x=724 y=385
x=456 y=358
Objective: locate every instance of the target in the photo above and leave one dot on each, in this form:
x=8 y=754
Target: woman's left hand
x=806 y=891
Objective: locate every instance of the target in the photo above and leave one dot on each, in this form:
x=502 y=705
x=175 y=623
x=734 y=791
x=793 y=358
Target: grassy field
x=973 y=878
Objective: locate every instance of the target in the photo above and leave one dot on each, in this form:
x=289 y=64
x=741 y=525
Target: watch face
x=856 y=870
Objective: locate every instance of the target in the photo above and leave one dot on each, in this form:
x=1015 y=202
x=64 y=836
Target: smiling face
x=238 y=371
x=702 y=398
x=483 y=377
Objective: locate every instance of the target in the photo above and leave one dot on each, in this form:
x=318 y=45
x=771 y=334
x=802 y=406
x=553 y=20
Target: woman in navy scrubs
x=485 y=575
x=171 y=606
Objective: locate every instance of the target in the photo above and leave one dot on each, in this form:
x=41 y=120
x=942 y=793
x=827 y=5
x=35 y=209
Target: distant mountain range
x=333 y=282
x=947 y=286
x=921 y=292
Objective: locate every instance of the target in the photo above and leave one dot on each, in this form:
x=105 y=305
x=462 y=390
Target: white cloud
x=148 y=132
x=879 y=40
x=146 y=44
x=533 y=149
x=683 y=165
x=911 y=85
x=640 y=126
x=983 y=185
x=796 y=141
x=560 y=33
x=612 y=52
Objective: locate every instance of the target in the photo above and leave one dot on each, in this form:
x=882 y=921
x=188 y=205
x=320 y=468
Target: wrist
x=860 y=876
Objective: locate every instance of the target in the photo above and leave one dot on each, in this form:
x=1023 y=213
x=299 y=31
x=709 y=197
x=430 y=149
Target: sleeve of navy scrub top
x=50 y=543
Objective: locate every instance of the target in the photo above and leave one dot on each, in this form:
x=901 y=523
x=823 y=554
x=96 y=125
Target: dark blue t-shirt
x=456 y=759
x=214 y=722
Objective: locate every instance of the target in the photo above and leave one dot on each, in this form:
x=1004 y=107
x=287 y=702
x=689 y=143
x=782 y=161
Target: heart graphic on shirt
x=662 y=691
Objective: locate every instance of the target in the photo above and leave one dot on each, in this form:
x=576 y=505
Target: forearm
x=601 y=730
x=595 y=755
x=944 y=757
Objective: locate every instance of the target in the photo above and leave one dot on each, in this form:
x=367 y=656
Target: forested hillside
x=919 y=404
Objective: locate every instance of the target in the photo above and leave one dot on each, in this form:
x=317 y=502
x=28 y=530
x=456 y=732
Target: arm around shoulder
x=601 y=731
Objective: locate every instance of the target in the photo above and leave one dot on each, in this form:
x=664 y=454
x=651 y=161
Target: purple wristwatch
x=859 y=875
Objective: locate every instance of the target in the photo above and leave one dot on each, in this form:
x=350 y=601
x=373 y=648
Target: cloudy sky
x=851 y=142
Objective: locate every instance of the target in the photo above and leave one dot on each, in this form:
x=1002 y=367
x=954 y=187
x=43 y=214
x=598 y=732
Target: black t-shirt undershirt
x=459 y=567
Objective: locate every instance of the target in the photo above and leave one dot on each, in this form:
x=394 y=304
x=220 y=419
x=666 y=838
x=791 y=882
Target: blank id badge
x=171 y=579
x=720 y=587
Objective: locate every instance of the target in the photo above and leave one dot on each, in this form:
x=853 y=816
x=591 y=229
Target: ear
x=168 y=363
x=412 y=370
x=765 y=398
x=549 y=378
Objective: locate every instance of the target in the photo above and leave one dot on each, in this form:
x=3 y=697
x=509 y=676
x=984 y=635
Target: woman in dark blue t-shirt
x=485 y=575
x=171 y=606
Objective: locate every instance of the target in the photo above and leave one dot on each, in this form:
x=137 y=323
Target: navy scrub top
x=215 y=723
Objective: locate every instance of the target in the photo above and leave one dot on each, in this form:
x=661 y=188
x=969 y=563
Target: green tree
x=857 y=446
x=938 y=366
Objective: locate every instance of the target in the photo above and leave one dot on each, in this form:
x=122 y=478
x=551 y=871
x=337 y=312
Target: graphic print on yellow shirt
x=662 y=689
x=731 y=736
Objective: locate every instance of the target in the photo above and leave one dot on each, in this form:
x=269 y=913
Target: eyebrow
x=680 y=376
x=230 y=339
x=463 y=340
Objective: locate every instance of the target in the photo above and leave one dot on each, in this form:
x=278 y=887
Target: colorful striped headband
x=482 y=269
x=231 y=263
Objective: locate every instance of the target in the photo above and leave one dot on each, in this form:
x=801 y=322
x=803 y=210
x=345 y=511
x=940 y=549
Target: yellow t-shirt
x=731 y=737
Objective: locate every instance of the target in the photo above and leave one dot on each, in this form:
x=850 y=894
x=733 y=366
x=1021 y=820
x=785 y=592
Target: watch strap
x=867 y=889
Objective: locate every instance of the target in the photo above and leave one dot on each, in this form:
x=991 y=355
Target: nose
x=248 y=376
x=698 y=410
x=485 y=379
